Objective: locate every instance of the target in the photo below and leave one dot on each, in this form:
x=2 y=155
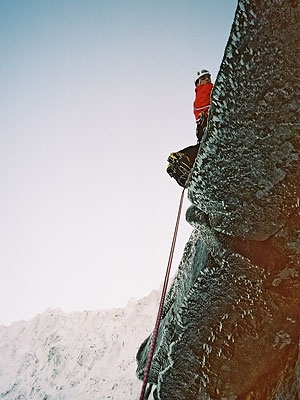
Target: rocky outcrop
x=230 y=327
x=86 y=355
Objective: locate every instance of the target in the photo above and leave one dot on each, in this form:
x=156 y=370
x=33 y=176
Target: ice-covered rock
x=230 y=327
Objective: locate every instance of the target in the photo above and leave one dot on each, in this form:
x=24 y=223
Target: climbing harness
x=161 y=304
x=201 y=124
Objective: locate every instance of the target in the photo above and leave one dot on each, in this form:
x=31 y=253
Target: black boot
x=179 y=167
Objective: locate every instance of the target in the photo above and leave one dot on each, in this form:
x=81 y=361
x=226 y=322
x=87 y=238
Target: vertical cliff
x=230 y=327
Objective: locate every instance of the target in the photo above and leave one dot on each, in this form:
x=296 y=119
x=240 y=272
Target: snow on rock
x=75 y=356
x=231 y=326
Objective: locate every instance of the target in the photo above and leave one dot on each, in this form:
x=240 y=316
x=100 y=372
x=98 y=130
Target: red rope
x=162 y=300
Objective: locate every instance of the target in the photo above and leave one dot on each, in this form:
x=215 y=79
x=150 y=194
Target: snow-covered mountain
x=76 y=356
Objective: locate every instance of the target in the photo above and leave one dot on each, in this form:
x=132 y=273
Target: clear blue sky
x=94 y=95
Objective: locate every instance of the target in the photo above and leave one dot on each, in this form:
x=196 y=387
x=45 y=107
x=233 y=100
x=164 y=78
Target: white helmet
x=200 y=74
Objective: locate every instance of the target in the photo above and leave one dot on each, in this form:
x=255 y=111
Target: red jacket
x=202 y=99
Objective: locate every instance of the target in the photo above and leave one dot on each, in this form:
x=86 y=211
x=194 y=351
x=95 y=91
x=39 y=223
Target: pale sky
x=94 y=95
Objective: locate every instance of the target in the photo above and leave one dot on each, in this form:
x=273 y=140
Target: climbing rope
x=161 y=304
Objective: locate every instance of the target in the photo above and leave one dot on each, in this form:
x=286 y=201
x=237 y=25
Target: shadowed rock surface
x=230 y=327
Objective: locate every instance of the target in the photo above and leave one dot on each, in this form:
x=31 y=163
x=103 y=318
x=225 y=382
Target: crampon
x=179 y=167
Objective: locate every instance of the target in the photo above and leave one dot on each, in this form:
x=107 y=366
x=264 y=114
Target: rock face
x=230 y=327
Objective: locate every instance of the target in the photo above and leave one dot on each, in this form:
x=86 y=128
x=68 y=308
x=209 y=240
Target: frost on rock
x=230 y=325
x=88 y=355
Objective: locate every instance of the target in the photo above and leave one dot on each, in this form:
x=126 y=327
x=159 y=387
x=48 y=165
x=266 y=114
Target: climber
x=182 y=161
x=202 y=100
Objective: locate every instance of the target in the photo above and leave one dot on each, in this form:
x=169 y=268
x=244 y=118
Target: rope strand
x=162 y=300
